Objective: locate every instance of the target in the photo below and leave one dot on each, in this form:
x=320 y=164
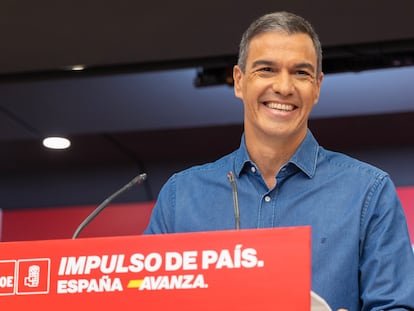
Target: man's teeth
x=279 y=106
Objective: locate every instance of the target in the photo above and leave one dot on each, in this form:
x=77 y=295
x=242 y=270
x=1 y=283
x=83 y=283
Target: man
x=361 y=253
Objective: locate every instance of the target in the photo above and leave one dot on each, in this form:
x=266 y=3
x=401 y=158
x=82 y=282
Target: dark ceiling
x=53 y=35
x=136 y=98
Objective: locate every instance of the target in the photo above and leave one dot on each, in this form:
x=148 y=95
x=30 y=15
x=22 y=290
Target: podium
x=260 y=269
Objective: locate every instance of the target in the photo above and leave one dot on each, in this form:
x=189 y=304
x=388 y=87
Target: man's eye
x=265 y=69
x=302 y=73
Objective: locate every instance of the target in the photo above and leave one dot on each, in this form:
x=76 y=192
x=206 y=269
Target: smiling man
x=279 y=86
x=361 y=252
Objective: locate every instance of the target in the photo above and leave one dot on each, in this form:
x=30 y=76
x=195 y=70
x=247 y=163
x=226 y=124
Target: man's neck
x=270 y=154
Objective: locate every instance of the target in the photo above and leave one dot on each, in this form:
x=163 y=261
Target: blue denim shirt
x=361 y=254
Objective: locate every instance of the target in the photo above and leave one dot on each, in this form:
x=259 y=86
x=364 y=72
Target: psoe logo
x=33 y=276
x=7 y=269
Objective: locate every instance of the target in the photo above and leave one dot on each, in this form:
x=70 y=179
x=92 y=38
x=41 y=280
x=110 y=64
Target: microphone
x=233 y=184
x=137 y=180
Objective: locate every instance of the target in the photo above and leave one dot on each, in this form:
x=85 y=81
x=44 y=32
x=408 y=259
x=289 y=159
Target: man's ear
x=238 y=79
x=318 y=88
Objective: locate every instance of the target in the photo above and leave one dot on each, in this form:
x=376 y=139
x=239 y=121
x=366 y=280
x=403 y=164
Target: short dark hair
x=279 y=22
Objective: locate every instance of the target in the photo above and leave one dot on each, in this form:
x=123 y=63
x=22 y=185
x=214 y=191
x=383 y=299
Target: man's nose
x=283 y=84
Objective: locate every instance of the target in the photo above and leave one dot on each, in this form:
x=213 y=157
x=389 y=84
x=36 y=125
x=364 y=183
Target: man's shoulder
x=342 y=161
x=218 y=166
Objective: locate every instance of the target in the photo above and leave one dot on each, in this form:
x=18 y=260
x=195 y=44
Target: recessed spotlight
x=78 y=67
x=56 y=142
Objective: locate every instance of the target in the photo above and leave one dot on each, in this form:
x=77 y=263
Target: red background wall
x=116 y=219
x=62 y=222
x=406 y=195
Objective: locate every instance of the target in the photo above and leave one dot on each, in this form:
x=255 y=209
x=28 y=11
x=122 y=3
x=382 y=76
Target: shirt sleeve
x=386 y=255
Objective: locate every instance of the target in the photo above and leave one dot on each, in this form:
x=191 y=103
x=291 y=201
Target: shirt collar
x=304 y=158
x=242 y=157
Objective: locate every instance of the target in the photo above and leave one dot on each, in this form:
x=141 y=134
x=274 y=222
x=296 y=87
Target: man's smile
x=279 y=106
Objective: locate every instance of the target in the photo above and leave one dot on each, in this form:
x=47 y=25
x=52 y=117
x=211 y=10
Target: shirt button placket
x=266 y=212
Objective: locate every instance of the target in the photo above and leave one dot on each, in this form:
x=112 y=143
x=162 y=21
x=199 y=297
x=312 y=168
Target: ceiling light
x=56 y=142
x=78 y=67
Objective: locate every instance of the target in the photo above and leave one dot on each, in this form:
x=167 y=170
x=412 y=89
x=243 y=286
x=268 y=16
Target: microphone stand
x=137 y=180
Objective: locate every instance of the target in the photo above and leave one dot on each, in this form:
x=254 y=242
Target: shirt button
x=267 y=198
x=253 y=169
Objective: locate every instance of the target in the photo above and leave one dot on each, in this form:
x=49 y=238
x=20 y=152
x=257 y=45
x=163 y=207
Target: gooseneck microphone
x=137 y=180
x=233 y=184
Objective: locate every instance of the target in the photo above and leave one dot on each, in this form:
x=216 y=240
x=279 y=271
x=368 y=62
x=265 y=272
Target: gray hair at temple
x=285 y=22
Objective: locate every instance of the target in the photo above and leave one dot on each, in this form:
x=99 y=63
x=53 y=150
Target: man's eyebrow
x=262 y=62
x=305 y=65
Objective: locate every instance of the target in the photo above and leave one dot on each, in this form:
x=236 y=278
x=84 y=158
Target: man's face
x=279 y=87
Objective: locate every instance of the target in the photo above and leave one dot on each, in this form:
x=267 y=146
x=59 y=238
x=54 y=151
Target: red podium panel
x=265 y=269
